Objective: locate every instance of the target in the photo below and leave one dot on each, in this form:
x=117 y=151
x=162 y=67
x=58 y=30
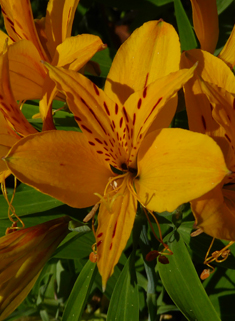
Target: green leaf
x=183 y=285
x=222 y=5
x=124 y=304
x=220 y=288
x=27 y=202
x=187 y=37
x=79 y=295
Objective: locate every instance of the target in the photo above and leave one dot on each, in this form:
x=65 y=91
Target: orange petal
x=223 y=112
x=212 y=70
x=100 y=119
x=27 y=74
x=206 y=24
x=57 y=24
x=114 y=228
x=18 y=19
x=60 y=164
x=215 y=213
x=158 y=43
x=8 y=105
x=227 y=53
x=176 y=166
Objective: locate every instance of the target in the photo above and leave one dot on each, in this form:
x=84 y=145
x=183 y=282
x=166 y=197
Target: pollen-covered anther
x=205 y=274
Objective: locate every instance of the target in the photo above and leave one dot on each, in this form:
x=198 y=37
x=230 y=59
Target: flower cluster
x=125 y=155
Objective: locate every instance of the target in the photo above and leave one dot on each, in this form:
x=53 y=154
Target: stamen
x=91 y=214
x=215 y=256
x=146 y=211
x=11 y=210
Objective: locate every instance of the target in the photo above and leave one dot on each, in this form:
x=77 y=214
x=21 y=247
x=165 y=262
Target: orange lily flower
x=209 y=97
x=23 y=254
x=120 y=159
x=48 y=39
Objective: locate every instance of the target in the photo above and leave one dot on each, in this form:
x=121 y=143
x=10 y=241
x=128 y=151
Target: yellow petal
x=114 y=228
x=176 y=166
x=8 y=105
x=227 y=53
x=148 y=105
x=206 y=25
x=3 y=37
x=53 y=162
x=18 y=19
x=212 y=70
x=158 y=43
x=58 y=22
x=74 y=52
x=27 y=74
x=215 y=213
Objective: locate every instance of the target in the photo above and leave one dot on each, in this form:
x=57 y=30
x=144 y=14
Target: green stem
x=151 y=275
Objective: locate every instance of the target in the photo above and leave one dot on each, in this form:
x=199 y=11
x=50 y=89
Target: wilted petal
x=176 y=166
x=23 y=255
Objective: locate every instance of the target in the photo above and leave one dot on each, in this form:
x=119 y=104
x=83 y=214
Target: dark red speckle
x=145 y=92
x=203 y=122
x=116 y=109
x=98 y=244
x=77 y=118
x=87 y=129
x=106 y=109
x=114 y=230
x=96 y=90
x=100 y=234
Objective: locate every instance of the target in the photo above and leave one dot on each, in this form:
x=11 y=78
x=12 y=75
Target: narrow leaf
x=187 y=37
x=124 y=304
x=182 y=283
x=79 y=295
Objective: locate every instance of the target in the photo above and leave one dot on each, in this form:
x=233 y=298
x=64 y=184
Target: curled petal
x=227 y=53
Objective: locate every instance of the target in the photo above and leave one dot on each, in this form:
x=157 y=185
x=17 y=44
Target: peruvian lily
x=119 y=159
x=210 y=107
x=23 y=255
x=48 y=39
